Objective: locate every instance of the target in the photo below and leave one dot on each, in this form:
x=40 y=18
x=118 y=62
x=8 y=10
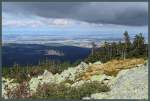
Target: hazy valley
x=32 y=54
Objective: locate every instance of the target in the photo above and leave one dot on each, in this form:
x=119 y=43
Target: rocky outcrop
x=129 y=84
x=48 y=77
x=71 y=72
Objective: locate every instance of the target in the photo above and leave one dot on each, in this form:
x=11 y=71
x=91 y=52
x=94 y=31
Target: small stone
x=97 y=63
x=78 y=83
x=86 y=98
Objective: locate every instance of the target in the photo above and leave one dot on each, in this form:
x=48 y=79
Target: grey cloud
x=122 y=13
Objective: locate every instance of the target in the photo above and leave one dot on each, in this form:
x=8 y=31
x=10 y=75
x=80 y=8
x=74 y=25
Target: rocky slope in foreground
x=129 y=83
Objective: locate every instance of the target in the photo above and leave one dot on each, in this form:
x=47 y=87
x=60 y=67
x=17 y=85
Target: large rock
x=33 y=84
x=129 y=84
x=46 y=77
x=72 y=72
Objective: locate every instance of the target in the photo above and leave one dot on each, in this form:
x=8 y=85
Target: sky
x=73 y=19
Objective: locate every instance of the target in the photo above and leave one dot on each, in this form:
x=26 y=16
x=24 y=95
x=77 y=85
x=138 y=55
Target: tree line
x=136 y=48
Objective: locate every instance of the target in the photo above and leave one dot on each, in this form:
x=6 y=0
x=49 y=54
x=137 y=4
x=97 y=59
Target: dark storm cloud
x=125 y=13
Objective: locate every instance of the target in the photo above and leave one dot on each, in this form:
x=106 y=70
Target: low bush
x=60 y=91
x=24 y=73
x=21 y=92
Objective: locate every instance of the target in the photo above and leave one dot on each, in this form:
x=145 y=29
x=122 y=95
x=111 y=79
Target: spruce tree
x=138 y=41
x=127 y=44
x=93 y=48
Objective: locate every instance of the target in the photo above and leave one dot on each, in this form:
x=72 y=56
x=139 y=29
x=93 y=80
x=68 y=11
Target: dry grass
x=111 y=68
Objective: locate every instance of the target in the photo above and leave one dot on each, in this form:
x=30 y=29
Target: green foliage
x=68 y=81
x=17 y=72
x=24 y=73
x=138 y=41
x=60 y=91
x=127 y=41
x=120 y=50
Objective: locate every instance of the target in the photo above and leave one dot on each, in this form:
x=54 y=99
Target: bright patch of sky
x=63 y=27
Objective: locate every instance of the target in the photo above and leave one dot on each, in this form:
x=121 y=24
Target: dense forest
x=120 y=50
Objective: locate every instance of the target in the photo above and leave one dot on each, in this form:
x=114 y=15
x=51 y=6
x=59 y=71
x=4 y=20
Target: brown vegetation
x=110 y=68
x=22 y=91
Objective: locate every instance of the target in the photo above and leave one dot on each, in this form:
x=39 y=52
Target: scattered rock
x=90 y=64
x=58 y=79
x=128 y=84
x=97 y=63
x=86 y=98
x=71 y=72
x=78 y=83
x=68 y=74
x=8 y=84
x=33 y=84
x=48 y=77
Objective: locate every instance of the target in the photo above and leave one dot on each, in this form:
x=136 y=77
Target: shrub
x=52 y=91
x=18 y=73
x=21 y=92
x=68 y=81
x=21 y=73
x=60 y=91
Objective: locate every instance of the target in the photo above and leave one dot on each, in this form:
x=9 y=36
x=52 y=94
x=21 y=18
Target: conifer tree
x=93 y=48
x=127 y=44
x=138 y=41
